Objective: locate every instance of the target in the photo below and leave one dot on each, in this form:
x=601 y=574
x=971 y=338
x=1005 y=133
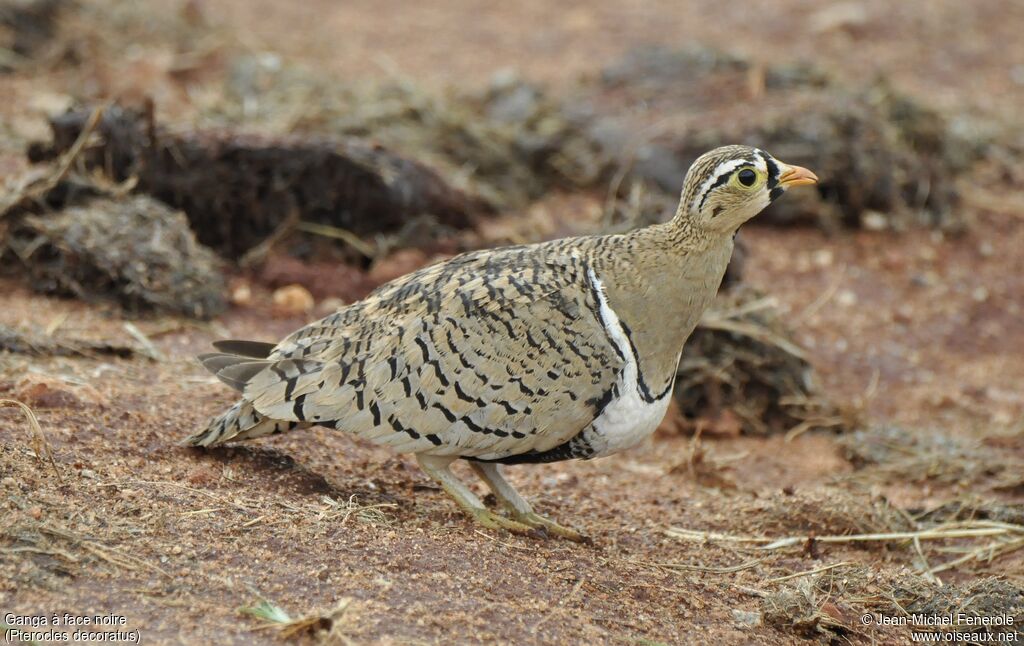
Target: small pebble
x=823 y=257
x=746 y=617
x=927 y=279
x=903 y=314
x=292 y=299
x=1002 y=418
x=874 y=221
x=9 y=481
x=241 y=295
x=1017 y=74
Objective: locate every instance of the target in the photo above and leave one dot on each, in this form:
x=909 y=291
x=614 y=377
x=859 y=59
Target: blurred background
x=176 y=172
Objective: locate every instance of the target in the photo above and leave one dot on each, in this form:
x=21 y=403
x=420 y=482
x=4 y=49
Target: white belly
x=628 y=418
x=625 y=422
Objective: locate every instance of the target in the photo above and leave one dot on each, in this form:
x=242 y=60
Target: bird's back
x=491 y=354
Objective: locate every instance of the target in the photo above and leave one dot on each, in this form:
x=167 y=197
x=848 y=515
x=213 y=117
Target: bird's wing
x=488 y=355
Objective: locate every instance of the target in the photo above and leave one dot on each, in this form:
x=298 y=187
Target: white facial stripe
x=759 y=160
x=725 y=168
x=722 y=168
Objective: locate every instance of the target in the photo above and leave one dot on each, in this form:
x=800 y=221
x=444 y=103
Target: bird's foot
x=548 y=526
x=518 y=508
x=494 y=520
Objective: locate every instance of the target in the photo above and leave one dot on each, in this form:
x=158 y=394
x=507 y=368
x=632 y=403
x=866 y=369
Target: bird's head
x=729 y=185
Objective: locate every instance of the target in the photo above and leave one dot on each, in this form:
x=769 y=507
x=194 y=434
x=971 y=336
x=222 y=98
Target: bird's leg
x=517 y=505
x=437 y=467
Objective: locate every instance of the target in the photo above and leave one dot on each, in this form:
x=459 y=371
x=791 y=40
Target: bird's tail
x=235 y=364
x=240 y=422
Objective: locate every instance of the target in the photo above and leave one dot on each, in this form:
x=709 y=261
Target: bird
x=536 y=353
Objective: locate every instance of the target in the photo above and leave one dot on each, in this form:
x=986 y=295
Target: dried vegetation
x=71 y=232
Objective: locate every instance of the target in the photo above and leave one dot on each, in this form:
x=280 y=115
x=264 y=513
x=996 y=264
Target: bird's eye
x=747 y=177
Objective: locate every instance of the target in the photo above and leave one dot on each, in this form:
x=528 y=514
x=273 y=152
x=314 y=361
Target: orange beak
x=796 y=176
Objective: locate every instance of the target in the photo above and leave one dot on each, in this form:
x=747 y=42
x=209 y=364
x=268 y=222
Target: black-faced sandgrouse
x=535 y=353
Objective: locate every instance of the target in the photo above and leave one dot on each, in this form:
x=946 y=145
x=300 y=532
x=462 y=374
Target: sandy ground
x=922 y=331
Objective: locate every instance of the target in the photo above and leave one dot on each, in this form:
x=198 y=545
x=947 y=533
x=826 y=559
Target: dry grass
x=74 y=550
x=892 y=454
x=40 y=445
x=974 y=543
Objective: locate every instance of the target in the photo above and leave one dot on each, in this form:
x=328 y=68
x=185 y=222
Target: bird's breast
x=633 y=411
x=626 y=420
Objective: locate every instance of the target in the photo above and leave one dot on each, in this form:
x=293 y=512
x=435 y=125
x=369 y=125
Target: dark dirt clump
x=81 y=236
x=803 y=609
x=26 y=26
x=975 y=508
x=741 y=362
x=986 y=599
x=829 y=511
x=135 y=248
x=238 y=189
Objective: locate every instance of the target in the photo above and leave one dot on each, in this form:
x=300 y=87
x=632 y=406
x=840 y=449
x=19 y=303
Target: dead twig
x=151 y=350
x=338 y=233
x=983 y=528
x=818 y=570
x=34 y=191
x=1005 y=538
x=71 y=558
x=687 y=567
x=258 y=254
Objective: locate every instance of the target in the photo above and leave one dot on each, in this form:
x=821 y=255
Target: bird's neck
x=659 y=282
